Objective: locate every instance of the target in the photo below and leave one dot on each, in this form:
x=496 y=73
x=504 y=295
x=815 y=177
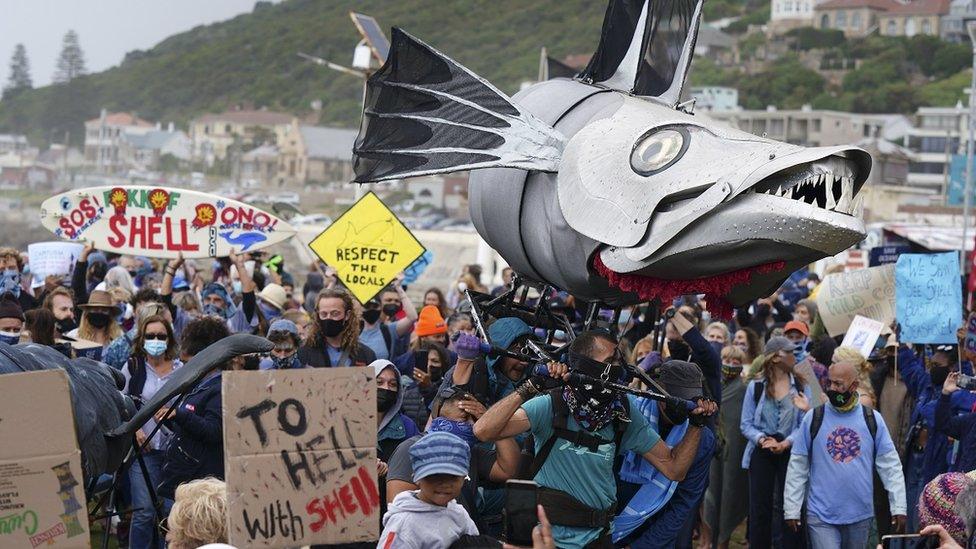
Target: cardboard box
x=300 y=456
x=42 y=497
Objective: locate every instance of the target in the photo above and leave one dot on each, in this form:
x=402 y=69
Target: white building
x=715 y=98
x=104 y=138
x=788 y=14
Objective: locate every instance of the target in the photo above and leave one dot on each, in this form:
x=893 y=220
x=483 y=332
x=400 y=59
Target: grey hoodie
x=410 y=523
x=378 y=366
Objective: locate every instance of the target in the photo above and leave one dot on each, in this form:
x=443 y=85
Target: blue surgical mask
x=10 y=338
x=154 y=347
x=269 y=311
x=800 y=351
x=462 y=429
x=10 y=282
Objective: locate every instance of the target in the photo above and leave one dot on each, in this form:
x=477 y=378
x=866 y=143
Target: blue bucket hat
x=440 y=452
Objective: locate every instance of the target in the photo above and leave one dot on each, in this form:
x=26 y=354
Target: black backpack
x=560 y=414
x=869 y=419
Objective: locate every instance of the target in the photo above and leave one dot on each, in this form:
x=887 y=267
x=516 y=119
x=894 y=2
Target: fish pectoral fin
x=426 y=114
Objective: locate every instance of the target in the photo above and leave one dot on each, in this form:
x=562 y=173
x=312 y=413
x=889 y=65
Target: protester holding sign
x=960 y=427
x=333 y=340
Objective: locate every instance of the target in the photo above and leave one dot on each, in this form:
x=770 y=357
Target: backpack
x=869 y=419
x=580 y=438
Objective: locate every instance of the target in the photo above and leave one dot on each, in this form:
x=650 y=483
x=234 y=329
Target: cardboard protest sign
x=161 y=222
x=42 y=499
x=866 y=292
x=51 y=258
x=300 y=456
x=928 y=297
x=862 y=335
x=970 y=343
x=367 y=246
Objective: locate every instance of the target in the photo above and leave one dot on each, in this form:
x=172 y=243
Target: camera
x=966 y=382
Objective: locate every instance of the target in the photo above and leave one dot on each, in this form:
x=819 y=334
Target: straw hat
x=98 y=298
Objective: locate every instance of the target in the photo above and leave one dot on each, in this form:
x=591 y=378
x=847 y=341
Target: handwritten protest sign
x=161 y=222
x=42 y=500
x=928 y=297
x=51 y=258
x=367 y=246
x=866 y=292
x=970 y=343
x=300 y=456
x=862 y=335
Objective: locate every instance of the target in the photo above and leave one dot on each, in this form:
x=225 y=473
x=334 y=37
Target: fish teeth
x=846 y=190
x=831 y=201
x=858 y=209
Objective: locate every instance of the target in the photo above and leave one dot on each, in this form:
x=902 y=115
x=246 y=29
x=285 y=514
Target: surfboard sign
x=161 y=222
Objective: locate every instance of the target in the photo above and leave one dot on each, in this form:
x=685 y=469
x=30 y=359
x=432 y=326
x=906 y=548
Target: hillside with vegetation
x=251 y=59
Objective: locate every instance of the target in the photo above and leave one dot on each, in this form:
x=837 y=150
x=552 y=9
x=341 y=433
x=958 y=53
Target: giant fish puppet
x=605 y=185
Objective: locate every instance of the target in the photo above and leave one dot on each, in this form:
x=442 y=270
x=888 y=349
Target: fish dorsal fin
x=426 y=114
x=646 y=47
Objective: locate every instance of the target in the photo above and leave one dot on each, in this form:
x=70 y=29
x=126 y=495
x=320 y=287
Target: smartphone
x=908 y=541
x=420 y=359
x=521 y=498
x=967 y=382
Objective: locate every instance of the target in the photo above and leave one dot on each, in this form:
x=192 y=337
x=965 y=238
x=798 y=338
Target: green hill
x=252 y=58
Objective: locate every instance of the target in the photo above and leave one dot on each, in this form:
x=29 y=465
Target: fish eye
x=658 y=150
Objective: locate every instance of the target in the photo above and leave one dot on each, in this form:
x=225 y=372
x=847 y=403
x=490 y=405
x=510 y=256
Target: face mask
x=391 y=309
x=592 y=408
x=133 y=274
x=10 y=338
x=237 y=286
x=731 y=371
x=385 y=399
x=800 y=351
x=284 y=363
x=938 y=375
x=154 y=347
x=65 y=325
x=99 y=320
x=461 y=429
x=269 y=311
x=330 y=327
x=842 y=400
x=370 y=316
x=10 y=282
x=679 y=350
x=210 y=309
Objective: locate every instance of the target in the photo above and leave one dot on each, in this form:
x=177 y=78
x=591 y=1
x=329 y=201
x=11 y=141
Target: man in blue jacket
x=961 y=427
x=197 y=448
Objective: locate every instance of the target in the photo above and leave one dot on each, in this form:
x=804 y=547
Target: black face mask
x=841 y=399
x=762 y=310
x=370 y=316
x=99 y=320
x=391 y=309
x=330 y=327
x=133 y=274
x=938 y=375
x=679 y=350
x=385 y=399
x=65 y=325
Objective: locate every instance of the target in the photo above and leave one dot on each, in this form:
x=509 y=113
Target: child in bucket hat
x=430 y=516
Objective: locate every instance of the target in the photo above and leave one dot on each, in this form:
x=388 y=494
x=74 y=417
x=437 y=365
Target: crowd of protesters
x=793 y=440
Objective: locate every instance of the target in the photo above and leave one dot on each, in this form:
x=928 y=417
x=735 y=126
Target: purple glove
x=467 y=346
x=651 y=361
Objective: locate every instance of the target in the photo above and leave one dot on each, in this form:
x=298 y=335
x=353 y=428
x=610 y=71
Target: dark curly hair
x=201 y=333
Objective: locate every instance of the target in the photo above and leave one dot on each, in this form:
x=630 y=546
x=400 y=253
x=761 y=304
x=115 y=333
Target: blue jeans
x=144 y=518
x=834 y=536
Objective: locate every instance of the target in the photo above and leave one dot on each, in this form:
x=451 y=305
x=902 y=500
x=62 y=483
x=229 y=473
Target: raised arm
x=504 y=419
x=405 y=325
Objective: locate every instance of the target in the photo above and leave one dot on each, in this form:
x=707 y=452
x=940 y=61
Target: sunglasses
x=158 y=337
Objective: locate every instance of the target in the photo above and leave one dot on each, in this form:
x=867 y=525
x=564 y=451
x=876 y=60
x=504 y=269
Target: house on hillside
x=260 y=164
x=104 y=137
x=815 y=128
x=715 y=98
x=60 y=158
x=15 y=151
x=144 y=150
x=327 y=154
x=212 y=135
x=953 y=26
x=790 y=14
x=887 y=17
x=13 y=143
x=715 y=45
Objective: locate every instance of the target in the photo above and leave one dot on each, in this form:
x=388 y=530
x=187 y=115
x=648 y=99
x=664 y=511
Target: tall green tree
x=19 y=79
x=71 y=62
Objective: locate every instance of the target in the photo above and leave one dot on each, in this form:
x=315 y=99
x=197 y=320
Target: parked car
x=286 y=197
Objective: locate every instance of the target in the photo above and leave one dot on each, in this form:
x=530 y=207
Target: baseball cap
x=777 y=344
x=438 y=453
x=681 y=379
x=797 y=325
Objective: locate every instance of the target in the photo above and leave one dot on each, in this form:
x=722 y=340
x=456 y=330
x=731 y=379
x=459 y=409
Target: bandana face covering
x=731 y=371
x=10 y=282
x=592 y=408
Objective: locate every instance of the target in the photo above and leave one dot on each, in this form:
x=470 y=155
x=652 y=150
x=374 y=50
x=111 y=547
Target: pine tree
x=71 y=63
x=19 y=79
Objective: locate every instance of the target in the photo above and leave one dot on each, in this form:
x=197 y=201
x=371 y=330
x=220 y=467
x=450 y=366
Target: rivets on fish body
x=772 y=156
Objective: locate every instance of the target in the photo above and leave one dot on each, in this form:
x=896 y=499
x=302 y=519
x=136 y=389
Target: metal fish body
x=600 y=185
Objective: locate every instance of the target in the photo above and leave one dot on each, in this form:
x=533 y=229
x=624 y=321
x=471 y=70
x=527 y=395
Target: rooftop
x=329 y=143
x=895 y=7
x=253 y=118
x=120 y=119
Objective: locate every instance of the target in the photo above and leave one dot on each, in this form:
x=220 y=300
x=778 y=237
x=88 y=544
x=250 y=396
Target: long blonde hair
x=350 y=334
x=87 y=331
x=765 y=373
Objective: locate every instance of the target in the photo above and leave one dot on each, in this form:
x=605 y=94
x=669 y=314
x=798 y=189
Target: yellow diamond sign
x=367 y=246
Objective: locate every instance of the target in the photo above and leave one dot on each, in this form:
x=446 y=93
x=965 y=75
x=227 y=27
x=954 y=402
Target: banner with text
x=866 y=292
x=300 y=457
x=929 y=297
x=367 y=246
x=51 y=258
x=42 y=496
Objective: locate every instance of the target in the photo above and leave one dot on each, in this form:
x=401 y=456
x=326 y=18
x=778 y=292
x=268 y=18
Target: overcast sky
x=107 y=29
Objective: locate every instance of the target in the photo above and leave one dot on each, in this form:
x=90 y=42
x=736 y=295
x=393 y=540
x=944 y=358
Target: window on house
x=926 y=27
x=816 y=125
x=856 y=20
x=825 y=21
x=891 y=28
x=840 y=20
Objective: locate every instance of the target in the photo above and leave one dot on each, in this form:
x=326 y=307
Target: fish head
x=674 y=197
